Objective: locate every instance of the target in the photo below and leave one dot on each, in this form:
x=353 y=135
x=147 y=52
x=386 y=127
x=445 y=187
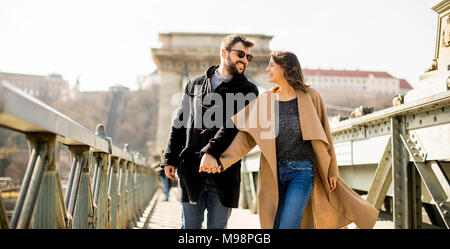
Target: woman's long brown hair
x=292 y=69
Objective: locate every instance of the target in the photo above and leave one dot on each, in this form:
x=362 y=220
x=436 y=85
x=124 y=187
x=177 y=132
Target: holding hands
x=209 y=164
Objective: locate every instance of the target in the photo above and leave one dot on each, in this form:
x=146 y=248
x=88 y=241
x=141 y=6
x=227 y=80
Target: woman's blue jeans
x=295 y=184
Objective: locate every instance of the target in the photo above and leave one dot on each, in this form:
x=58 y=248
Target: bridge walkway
x=167 y=215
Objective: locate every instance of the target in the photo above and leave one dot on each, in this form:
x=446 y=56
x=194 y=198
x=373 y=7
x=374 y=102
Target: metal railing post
x=405 y=180
x=122 y=194
x=113 y=192
x=78 y=198
x=101 y=191
x=50 y=209
x=25 y=184
x=26 y=204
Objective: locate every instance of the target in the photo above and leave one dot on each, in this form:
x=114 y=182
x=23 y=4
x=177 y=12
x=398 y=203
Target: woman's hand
x=332 y=182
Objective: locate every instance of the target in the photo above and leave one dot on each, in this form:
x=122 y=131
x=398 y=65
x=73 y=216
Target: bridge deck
x=167 y=215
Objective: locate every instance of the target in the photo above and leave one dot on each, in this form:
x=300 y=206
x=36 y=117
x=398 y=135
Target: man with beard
x=190 y=132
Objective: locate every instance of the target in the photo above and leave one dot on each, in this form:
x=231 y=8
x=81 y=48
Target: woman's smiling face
x=274 y=71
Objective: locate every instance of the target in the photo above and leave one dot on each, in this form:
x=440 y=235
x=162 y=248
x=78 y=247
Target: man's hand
x=209 y=164
x=332 y=182
x=170 y=172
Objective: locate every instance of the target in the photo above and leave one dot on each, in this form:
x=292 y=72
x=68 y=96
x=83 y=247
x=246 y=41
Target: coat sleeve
x=220 y=142
x=322 y=113
x=177 y=135
x=239 y=147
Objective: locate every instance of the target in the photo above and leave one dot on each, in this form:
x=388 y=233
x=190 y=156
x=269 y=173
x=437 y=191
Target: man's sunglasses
x=241 y=54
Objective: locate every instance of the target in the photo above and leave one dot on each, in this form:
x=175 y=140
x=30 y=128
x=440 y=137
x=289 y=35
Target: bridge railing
x=122 y=182
x=409 y=147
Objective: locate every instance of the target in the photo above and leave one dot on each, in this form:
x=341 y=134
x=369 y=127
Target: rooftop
x=353 y=73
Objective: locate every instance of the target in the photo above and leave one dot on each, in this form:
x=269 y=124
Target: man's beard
x=231 y=68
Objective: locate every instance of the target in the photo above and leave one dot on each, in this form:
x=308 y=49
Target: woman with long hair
x=299 y=184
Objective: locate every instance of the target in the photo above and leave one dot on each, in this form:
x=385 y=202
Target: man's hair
x=229 y=41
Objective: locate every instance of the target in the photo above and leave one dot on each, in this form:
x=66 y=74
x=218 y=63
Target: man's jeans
x=217 y=216
x=295 y=184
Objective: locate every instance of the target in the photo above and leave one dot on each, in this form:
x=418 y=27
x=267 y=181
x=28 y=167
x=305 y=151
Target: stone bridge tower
x=185 y=55
x=436 y=79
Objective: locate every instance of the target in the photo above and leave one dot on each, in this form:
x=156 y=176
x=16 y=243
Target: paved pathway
x=167 y=215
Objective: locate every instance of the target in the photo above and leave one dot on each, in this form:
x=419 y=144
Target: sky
x=108 y=42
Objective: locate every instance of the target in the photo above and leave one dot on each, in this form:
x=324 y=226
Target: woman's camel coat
x=325 y=209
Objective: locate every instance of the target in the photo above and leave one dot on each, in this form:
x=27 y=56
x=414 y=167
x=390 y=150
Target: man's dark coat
x=189 y=135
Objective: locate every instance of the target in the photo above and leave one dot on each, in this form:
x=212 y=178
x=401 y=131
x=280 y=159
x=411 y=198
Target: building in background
x=364 y=81
x=344 y=90
x=44 y=87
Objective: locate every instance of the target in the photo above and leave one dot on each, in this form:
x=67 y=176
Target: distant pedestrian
x=164 y=180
